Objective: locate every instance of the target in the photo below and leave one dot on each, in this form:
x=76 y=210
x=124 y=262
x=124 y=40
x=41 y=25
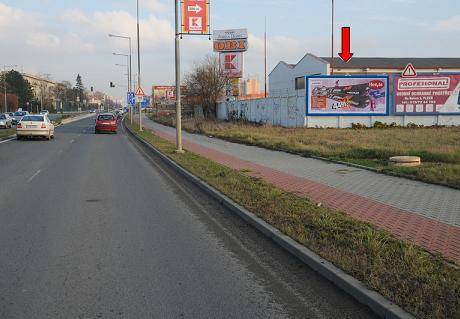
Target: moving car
x=45 y=112
x=106 y=122
x=18 y=116
x=6 y=121
x=35 y=125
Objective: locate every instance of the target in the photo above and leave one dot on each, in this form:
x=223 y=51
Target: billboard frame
x=387 y=104
x=393 y=109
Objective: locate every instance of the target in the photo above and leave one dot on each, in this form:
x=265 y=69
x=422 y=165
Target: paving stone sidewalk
x=424 y=214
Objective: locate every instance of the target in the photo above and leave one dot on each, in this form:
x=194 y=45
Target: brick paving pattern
x=438 y=235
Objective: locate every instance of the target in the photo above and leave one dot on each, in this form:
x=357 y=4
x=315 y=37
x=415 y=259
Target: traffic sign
x=409 y=71
x=140 y=92
x=131 y=98
x=195 y=16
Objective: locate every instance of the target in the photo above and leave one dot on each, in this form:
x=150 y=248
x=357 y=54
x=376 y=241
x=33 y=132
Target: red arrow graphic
x=346 y=55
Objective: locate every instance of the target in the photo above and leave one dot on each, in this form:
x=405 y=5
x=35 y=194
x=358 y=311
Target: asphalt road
x=92 y=227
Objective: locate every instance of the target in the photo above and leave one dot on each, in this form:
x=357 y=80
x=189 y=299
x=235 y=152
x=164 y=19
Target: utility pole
x=332 y=40
x=139 y=66
x=265 y=57
x=178 y=91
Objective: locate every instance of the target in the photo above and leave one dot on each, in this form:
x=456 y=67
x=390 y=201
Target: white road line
x=4 y=141
x=33 y=176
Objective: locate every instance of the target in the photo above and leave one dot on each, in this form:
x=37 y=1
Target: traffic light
x=92 y=89
x=112 y=85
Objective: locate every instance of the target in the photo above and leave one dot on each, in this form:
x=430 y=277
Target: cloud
x=155 y=7
x=450 y=24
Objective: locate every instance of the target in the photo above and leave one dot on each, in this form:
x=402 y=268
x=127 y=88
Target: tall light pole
x=130 y=54
x=178 y=92
x=332 y=40
x=127 y=69
x=4 y=83
x=139 y=65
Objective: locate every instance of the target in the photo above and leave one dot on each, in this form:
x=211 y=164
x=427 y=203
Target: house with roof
x=288 y=79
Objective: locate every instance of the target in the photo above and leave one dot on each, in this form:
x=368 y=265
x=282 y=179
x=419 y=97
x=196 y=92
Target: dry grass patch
x=439 y=148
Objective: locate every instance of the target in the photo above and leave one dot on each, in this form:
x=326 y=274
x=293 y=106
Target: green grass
x=7 y=132
x=439 y=148
x=424 y=285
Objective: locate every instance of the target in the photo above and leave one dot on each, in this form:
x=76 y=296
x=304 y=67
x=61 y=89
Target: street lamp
x=332 y=40
x=139 y=64
x=128 y=65
x=4 y=83
x=130 y=53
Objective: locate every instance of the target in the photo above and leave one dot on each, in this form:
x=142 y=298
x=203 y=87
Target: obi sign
x=427 y=94
x=347 y=95
x=195 y=16
x=235 y=40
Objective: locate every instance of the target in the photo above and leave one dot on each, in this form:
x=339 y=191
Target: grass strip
x=439 y=148
x=7 y=132
x=424 y=285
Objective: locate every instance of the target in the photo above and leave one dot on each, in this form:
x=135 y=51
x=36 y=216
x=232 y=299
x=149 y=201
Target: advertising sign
x=232 y=64
x=164 y=94
x=235 y=40
x=195 y=16
x=427 y=94
x=347 y=95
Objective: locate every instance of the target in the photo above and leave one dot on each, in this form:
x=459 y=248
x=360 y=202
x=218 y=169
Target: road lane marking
x=72 y=141
x=4 y=141
x=33 y=176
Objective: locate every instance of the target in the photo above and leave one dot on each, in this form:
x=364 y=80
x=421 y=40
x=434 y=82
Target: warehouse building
x=288 y=79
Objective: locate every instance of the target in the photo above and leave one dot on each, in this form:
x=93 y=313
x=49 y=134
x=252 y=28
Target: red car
x=106 y=123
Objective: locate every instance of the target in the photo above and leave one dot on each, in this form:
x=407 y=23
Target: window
x=33 y=118
x=106 y=118
x=300 y=83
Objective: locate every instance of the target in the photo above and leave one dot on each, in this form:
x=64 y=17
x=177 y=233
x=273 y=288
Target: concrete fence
x=290 y=111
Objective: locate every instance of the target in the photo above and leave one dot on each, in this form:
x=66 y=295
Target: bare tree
x=205 y=84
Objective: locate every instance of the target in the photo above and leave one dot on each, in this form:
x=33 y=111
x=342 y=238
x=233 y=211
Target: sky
x=65 y=37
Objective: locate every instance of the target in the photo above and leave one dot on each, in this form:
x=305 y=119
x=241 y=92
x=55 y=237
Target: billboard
x=232 y=64
x=427 y=94
x=195 y=16
x=347 y=95
x=235 y=40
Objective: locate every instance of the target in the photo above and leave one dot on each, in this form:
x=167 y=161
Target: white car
x=35 y=125
x=44 y=112
x=6 y=121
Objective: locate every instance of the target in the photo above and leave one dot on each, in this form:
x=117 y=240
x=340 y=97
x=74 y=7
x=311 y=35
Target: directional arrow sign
x=346 y=55
x=196 y=8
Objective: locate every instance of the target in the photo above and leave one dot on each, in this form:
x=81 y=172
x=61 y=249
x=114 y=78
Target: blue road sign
x=131 y=98
x=146 y=102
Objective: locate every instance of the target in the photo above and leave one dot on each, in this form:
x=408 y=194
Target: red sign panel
x=195 y=16
x=427 y=94
x=232 y=64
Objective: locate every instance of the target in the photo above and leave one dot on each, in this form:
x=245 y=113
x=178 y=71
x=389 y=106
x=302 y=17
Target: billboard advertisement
x=347 y=95
x=195 y=16
x=164 y=94
x=232 y=64
x=427 y=94
x=235 y=40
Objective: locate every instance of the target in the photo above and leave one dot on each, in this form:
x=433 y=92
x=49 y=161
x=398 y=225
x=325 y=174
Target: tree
x=79 y=89
x=205 y=84
x=15 y=83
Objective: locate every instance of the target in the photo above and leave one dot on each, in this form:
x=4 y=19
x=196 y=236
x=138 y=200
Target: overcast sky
x=66 y=37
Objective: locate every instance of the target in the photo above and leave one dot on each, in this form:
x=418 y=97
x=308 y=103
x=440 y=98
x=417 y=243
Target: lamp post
x=332 y=40
x=178 y=91
x=139 y=65
x=4 y=83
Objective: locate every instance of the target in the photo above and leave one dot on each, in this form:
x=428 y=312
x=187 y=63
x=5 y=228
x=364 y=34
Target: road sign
x=409 y=71
x=195 y=16
x=131 y=98
x=234 y=40
x=140 y=92
x=232 y=64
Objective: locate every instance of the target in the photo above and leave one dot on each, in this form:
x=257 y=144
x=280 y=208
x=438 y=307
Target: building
x=44 y=90
x=288 y=79
x=250 y=89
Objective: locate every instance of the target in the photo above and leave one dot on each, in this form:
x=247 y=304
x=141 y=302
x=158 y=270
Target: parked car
x=6 y=121
x=35 y=125
x=106 y=122
x=18 y=116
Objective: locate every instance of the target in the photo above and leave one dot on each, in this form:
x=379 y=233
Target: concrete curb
x=379 y=305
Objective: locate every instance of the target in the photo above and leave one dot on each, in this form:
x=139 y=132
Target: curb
x=377 y=303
